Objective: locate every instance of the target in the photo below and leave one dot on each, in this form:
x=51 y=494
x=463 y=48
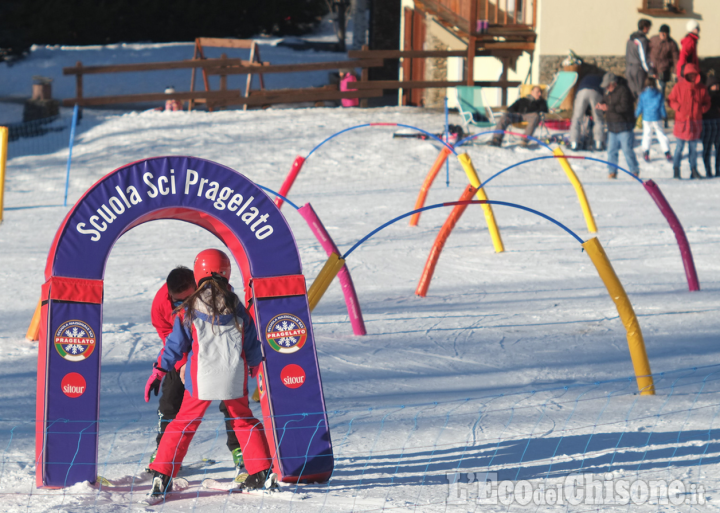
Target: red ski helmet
x=209 y=262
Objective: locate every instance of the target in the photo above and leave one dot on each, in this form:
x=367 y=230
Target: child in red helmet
x=221 y=340
x=178 y=286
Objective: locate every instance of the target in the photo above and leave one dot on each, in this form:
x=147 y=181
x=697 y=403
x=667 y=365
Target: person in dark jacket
x=690 y=100
x=527 y=109
x=664 y=55
x=711 y=127
x=637 y=57
x=620 y=120
x=589 y=94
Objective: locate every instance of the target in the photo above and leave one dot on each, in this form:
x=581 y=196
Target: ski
x=103 y=482
x=238 y=485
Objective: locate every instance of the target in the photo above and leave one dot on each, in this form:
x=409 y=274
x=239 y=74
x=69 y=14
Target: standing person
x=637 y=57
x=651 y=107
x=529 y=109
x=664 y=55
x=690 y=100
x=222 y=346
x=620 y=119
x=589 y=94
x=347 y=76
x=711 y=127
x=179 y=285
x=688 y=48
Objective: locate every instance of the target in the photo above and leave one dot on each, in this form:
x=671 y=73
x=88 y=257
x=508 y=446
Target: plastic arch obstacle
x=235 y=210
x=595 y=251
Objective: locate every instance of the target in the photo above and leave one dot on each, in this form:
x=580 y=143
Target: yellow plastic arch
x=636 y=344
x=472 y=175
x=322 y=282
x=589 y=220
x=33 y=332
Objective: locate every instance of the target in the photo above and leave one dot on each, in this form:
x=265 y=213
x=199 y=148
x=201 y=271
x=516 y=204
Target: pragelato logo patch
x=293 y=376
x=286 y=333
x=73 y=385
x=75 y=340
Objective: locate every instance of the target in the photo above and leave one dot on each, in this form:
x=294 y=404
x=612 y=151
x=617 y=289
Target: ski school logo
x=293 y=376
x=73 y=385
x=286 y=333
x=75 y=340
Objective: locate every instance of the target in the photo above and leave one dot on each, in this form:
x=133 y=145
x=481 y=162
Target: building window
x=663 y=8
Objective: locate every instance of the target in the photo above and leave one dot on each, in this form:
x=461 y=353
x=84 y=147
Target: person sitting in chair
x=529 y=109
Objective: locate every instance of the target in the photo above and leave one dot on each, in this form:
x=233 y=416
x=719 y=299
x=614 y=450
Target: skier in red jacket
x=218 y=337
x=180 y=284
x=688 y=48
x=690 y=100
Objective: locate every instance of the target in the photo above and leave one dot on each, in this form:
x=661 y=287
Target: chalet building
x=508 y=42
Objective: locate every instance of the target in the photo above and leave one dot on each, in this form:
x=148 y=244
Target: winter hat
x=692 y=25
x=608 y=79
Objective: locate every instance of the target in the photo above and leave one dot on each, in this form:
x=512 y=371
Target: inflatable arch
x=235 y=210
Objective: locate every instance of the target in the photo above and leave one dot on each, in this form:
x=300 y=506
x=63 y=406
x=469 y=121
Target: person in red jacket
x=690 y=100
x=178 y=286
x=218 y=337
x=688 y=48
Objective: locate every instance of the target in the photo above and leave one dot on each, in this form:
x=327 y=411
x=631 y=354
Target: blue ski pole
x=72 y=139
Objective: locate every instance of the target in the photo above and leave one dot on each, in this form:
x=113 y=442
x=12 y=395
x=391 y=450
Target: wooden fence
x=223 y=67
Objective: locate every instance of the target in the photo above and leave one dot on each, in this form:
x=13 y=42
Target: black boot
x=161 y=484
x=694 y=173
x=259 y=480
x=676 y=173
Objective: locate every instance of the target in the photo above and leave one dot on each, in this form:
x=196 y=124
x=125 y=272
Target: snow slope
x=515 y=363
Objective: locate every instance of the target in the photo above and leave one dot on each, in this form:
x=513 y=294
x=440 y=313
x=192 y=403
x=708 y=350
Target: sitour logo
x=292 y=376
x=73 y=385
x=75 y=340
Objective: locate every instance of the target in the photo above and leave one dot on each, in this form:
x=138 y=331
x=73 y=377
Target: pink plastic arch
x=348 y=288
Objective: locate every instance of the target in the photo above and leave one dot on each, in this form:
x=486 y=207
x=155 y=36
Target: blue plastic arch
x=453 y=203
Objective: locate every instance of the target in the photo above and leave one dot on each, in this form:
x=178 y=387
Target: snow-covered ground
x=515 y=363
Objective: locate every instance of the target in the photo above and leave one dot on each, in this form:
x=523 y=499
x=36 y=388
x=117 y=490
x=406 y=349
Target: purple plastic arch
x=685 y=252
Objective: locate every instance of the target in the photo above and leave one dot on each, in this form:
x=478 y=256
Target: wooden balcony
x=492 y=24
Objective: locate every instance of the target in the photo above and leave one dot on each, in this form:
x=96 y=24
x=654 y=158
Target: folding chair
x=560 y=87
x=472 y=107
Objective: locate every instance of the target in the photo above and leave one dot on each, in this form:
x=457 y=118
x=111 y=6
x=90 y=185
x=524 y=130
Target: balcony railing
x=475 y=17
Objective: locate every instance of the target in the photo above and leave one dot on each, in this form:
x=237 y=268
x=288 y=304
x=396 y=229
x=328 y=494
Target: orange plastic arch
x=442 y=236
x=429 y=179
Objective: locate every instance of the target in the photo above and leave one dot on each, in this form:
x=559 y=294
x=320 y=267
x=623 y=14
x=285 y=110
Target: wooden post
x=472 y=42
x=223 y=78
x=503 y=78
x=191 y=103
x=79 y=82
x=364 y=77
x=407 y=45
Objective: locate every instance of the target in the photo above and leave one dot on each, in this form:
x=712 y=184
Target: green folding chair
x=560 y=87
x=472 y=107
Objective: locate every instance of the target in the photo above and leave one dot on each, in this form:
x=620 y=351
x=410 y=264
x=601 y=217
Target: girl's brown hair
x=222 y=301
x=650 y=82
